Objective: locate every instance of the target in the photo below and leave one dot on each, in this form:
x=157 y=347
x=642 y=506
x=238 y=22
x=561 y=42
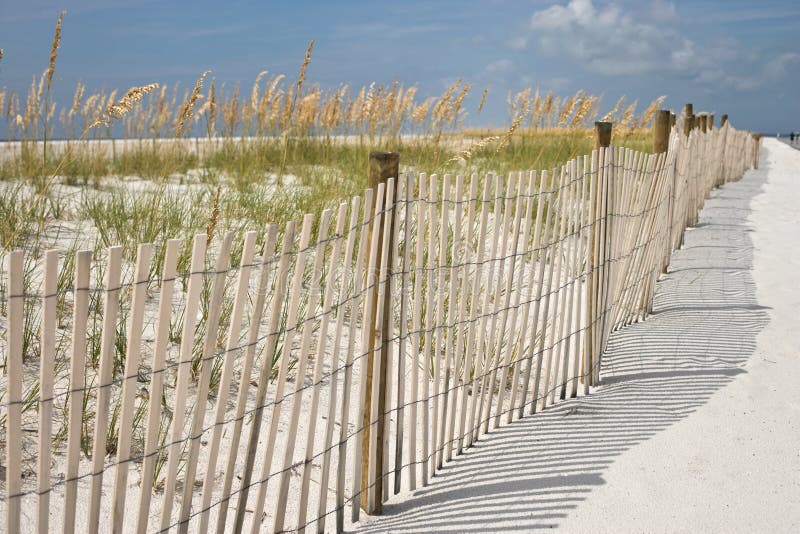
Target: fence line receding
x=239 y=385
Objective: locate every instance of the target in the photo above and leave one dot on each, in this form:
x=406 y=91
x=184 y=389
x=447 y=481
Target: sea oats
x=214 y=216
x=11 y=105
x=584 y=107
x=610 y=115
x=547 y=108
x=627 y=115
x=536 y=110
x=568 y=108
x=483 y=99
x=255 y=90
x=420 y=113
x=302 y=75
x=186 y=112
x=54 y=50
x=474 y=148
x=644 y=119
x=212 y=108
x=80 y=89
x=506 y=138
x=120 y=108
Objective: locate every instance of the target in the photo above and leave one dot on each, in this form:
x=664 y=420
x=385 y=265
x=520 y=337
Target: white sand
x=697 y=425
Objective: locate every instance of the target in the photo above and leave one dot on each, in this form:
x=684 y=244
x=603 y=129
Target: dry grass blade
x=186 y=112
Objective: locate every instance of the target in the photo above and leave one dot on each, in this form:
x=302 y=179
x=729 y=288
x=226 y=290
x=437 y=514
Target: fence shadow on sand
x=532 y=473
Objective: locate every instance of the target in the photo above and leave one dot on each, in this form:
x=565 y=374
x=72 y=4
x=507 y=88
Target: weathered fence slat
x=77 y=385
x=416 y=326
x=469 y=380
x=403 y=202
x=14 y=394
x=46 y=378
x=455 y=316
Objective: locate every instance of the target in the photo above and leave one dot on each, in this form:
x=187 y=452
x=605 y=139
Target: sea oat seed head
x=186 y=113
x=54 y=50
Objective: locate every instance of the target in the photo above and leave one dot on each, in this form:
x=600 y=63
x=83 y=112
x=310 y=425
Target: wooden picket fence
x=358 y=351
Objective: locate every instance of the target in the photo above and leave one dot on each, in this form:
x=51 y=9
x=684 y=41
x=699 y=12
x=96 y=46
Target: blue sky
x=735 y=57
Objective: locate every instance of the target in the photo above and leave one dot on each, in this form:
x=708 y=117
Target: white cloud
x=663 y=11
x=778 y=67
x=612 y=41
x=499 y=67
x=519 y=42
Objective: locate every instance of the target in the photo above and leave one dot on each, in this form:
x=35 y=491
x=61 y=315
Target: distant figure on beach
x=791 y=137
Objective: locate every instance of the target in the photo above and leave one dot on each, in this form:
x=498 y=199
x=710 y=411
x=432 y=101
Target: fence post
x=688 y=124
x=723 y=120
x=672 y=120
x=661 y=131
x=703 y=122
x=602 y=134
x=710 y=122
x=602 y=139
x=688 y=118
x=757 y=137
x=382 y=166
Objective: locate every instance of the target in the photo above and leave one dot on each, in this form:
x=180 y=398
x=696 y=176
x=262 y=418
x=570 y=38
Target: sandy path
x=697 y=425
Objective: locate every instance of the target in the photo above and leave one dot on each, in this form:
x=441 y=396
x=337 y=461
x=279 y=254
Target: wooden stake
x=723 y=120
x=661 y=131
x=382 y=166
x=688 y=124
x=602 y=134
